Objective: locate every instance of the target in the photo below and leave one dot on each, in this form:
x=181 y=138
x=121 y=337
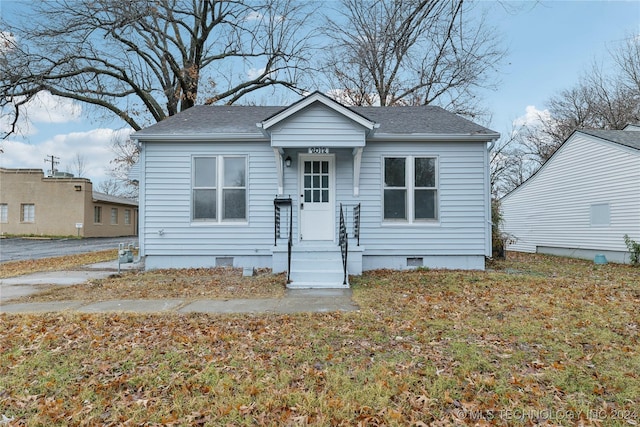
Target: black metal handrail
x=278 y=204
x=352 y=222
x=356 y=223
x=343 y=241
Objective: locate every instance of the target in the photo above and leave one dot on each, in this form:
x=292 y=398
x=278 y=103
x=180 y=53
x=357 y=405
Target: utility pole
x=54 y=161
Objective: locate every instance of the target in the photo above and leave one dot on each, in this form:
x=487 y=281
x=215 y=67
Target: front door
x=317 y=199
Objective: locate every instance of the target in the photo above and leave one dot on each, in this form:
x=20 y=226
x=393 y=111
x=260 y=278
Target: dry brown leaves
x=188 y=284
x=18 y=268
x=539 y=343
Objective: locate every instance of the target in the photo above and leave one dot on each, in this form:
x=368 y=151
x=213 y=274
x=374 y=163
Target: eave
x=201 y=137
x=431 y=137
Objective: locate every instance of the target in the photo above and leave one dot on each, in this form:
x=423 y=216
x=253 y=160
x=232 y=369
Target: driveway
x=20 y=249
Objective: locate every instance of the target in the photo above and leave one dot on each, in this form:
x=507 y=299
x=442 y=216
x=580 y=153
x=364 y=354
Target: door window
x=316 y=181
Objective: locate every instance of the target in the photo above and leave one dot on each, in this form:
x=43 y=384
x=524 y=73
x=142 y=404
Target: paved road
x=20 y=249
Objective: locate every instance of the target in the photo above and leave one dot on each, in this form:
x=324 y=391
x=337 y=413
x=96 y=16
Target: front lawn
x=537 y=340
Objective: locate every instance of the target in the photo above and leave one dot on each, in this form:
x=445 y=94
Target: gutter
x=200 y=137
x=487 y=137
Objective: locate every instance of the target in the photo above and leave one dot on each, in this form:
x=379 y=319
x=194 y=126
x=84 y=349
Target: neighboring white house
x=582 y=201
x=228 y=185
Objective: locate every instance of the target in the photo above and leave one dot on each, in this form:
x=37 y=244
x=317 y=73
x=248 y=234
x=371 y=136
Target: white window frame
x=410 y=188
x=114 y=216
x=4 y=213
x=220 y=188
x=127 y=217
x=28 y=217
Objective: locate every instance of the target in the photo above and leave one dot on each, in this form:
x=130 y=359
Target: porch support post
x=357 y=159
x=279 y=169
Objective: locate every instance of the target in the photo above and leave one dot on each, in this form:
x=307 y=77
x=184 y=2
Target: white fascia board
x=202 y=137
x=435 y=137
x=328 y=102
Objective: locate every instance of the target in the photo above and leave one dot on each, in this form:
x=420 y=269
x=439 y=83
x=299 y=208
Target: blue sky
x=550 y=43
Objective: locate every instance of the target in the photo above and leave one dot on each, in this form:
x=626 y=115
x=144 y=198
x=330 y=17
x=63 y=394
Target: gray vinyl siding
x=317 y=126
x=167 y=201
x=462 y=202
x=553 y=208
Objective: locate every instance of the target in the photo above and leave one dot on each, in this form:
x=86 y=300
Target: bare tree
x=144 y=60
x=78 y=166
x=407 y=52
x=599 y=100
x=511 y=161
x=112 y=187
x=126 y=154
x=627 y=57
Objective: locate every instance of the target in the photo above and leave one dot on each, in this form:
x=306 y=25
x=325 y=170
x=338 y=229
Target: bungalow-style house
x=582 y=201
x=316 y=189
x=61 y=205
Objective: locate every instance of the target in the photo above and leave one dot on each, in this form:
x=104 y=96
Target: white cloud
x=254 y=73
x=254 y=16
x=43 y=108
x=7 y=41
x=532 y=117
x=47 y=108
x=93 y=146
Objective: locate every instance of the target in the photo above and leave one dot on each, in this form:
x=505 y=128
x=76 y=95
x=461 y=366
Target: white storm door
x=317 y=198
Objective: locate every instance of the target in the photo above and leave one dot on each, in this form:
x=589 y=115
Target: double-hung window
x=410 y=189
x=28 y=212
x=4 y=212
x=219 y=189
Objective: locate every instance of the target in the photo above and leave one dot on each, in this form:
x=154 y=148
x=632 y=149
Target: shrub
x=634 y=249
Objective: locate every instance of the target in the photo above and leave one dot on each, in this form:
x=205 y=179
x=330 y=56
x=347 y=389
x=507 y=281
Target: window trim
x=219 y=188
x=22 y=215
x=114 y=218
x=127 y=217
x=410 y=189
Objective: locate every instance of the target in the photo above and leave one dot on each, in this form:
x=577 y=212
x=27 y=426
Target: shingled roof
x=241 y=120
x=628 y=138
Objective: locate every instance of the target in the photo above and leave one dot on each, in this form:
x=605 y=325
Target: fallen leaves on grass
x=18 y=268
x=538 y=346
x=193 y=283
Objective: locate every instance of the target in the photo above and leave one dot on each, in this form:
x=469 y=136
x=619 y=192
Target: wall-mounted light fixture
x=287 y=161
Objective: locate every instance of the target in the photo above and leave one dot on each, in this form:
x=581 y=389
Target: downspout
x=142 y=179
x=489 y=244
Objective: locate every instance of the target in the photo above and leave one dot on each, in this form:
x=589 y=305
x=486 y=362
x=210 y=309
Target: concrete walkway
x=294 y=301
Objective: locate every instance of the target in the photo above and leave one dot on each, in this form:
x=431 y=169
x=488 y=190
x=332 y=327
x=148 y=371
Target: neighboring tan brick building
x=32 y=204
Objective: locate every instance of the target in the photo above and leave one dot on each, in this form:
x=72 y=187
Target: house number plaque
x=318 y=150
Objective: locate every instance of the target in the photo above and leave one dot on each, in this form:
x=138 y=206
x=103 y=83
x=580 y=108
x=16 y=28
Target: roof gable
x=316 y=97
x=627 y=139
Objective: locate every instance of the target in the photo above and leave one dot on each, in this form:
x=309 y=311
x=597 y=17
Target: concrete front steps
x=316 y=266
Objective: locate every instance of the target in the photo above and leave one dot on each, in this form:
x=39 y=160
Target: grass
x=536 y=340
x=187 y=284
x=18 y=268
